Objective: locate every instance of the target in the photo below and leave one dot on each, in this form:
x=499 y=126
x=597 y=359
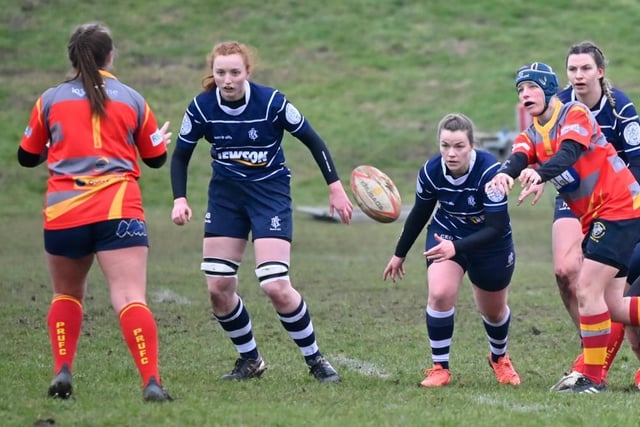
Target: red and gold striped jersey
x=92 y=160
x=598 y=184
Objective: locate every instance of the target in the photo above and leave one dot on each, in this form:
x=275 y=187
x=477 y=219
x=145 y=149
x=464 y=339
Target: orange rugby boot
x=436 y=376
x=504 y=370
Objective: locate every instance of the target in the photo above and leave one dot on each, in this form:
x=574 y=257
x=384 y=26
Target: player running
x=470 y=232
x=249 y=193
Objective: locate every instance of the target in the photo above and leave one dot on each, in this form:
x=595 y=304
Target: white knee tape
x=272 y=270
x=219 y=267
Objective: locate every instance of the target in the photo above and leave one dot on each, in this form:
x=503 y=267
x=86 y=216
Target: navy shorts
x=562 y=210
x=77 y=242
x=612 y=242
x=489 y=268
x=237 y=208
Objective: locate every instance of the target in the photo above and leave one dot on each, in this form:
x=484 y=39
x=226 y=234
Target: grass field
x=373 y=77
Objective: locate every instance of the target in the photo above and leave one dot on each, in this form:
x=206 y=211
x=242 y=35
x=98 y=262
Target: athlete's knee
x=271 y=271
x=219 y=271
x=274 y=281
x=441 y=301
x=219 y=267
x=566 y=272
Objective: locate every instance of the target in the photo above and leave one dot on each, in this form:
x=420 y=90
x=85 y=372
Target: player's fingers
x=537 y=197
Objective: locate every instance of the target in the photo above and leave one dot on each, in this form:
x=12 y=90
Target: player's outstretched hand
x=529 y=177
x=339 y=202
x=394 y=269
x=500 y=182
x=166 y=136
x=537 y=190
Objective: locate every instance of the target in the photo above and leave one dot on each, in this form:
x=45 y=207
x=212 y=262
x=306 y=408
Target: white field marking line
x=167 y=295
x=484 y=400
x=361 y=366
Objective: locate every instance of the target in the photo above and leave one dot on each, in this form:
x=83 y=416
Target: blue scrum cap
x=540 y=74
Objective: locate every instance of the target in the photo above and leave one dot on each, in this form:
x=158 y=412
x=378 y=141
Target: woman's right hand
x=181 y=212
x=395 y=269
x=536 y=189
x=502 y=183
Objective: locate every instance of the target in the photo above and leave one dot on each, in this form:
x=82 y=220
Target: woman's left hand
x=443 y=251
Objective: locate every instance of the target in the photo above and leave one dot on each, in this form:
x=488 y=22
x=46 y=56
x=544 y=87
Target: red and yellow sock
x=595 y=334
x=141 y=335
x=65 y=324
x=616 y=338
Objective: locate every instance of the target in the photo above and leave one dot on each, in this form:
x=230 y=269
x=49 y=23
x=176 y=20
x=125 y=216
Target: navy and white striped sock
x=237 y=325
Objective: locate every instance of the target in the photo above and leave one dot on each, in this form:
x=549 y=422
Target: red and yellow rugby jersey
x=598 y=184
x=92 y=161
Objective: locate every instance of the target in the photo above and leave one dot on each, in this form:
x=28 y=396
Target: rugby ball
x=376 y=194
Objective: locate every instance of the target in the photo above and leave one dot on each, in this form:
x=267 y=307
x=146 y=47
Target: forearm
x=514 y=164
x=320 y=153
x=566 y=156
x=413 y=225
x=494 y=225
x=179 y=165
x=156 y=162
x=30 y=160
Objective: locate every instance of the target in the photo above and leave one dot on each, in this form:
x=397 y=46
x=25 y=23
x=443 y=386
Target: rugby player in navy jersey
x=249 y=194
x=618 y=119
x=470 y=231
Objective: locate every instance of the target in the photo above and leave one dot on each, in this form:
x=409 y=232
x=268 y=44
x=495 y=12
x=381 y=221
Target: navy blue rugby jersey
x=462 y=201
x=245 y=141
x=623 y=133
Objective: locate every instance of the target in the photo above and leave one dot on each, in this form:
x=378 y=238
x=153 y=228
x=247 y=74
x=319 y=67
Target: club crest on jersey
x=632 y=133
x=253 y=134
x=494 y=194
x=292 y=114
x=597 y=231
x=185 y=127
x=471 y=201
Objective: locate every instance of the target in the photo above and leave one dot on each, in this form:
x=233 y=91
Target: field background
x=373 y=77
